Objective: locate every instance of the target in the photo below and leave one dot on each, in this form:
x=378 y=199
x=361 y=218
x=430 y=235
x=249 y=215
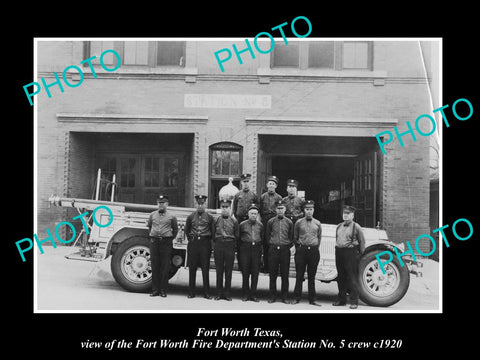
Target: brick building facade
x=168 y=120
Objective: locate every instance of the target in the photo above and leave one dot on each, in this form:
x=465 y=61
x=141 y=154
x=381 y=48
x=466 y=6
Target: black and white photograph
x=153 y=140
x=285 y=189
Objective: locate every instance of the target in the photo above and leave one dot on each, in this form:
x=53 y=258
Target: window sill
x=321 y=73
x=144 y=70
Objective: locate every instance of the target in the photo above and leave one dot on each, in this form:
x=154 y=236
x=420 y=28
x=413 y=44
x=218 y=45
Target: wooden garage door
x=141 y=177
x=365 y=189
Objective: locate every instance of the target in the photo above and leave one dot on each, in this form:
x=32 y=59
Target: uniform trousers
x=224 y=255
x=306 y=258
x=265 y=243
x=279 y=256
x=199 y=251
x=160 y=259
x=346 y=260
x=250 y=255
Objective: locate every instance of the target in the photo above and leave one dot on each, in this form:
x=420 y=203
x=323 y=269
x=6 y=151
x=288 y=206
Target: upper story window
x=141 y=53
x=170 y=53
x=286 y=55
x=356 y=55
x=321 y=54
x=335 y=55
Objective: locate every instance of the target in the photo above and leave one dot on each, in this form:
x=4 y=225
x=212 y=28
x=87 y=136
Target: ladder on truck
x=87 y=249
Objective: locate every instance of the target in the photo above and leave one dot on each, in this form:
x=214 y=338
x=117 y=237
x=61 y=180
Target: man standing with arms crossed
x=243 y=199
x=307 y=235
x=163 y=228
x=349 y=246
x=279 y=234
x=225 y=237
x=199 y=228
x=293 y=203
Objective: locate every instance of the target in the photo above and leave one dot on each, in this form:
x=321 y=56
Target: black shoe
x=163 y=293
x=296 y=301
x=339 y=303
x=207 y=296
x=155 y=293
x=285 y=301
x=353 y=306
x=313 y=302
x=271 y=300
x=245 y=298
x=191 y=296
x=254 y=299
x=218 y=297
x=228 y=298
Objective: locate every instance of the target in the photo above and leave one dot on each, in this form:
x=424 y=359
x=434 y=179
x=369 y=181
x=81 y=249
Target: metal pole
x=113 y=188
x=98 y=183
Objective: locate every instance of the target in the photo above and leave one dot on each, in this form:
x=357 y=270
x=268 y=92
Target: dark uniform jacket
x=199 y=224
x=226 y=229
x=279 y=231
x=267 y=204
x=241 y=202
x=293 y=207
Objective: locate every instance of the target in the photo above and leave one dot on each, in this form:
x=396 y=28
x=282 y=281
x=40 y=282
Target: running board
x=85 y=256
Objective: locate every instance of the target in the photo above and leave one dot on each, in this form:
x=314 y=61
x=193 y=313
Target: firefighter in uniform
x=279 y=234
x=293 y=203
x=251 y=243
x=162 y=228
x=225 y=237
x=243 y=199
x=199 y=228
x=307 y=235
x=268 y=211
x=349 y=246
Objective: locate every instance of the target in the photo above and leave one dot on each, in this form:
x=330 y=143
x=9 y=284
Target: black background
x=60 y=334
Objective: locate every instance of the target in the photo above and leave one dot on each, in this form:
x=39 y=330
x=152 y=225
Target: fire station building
x=169 y=121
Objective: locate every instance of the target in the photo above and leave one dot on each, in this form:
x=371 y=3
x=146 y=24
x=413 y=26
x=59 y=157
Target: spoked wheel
x=377 y=288
x=131 y=264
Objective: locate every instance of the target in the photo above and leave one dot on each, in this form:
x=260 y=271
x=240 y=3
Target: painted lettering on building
x=228 y=101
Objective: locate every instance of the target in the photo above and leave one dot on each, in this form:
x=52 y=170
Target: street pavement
x=64 y=285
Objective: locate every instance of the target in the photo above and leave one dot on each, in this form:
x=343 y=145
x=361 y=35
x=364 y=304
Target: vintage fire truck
x=126 y=240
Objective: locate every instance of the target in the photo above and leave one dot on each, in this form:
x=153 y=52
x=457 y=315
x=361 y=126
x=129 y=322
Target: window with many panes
x=336 y=55
x=225 y=160
x=141 y=53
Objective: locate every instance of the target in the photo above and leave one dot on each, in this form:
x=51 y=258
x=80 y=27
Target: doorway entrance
x=332 y=171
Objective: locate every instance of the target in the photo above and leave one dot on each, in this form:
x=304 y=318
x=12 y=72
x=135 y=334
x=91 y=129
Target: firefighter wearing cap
x=199 y=228
x=279 y=234
x=349 y=244
x=307 y=235
x=268 y=210
x=162 y=229
x=225 y=237
x=250 y=253
x=243 y=199
x=293 y=203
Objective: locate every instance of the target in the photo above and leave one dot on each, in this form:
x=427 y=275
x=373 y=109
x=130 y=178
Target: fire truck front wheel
x=131 y=264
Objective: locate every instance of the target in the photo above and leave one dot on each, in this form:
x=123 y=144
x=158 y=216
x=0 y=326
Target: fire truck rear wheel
x=131 y=266
x=378 y=289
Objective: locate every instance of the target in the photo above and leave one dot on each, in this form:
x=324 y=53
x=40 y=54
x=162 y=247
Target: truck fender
x=121 y=236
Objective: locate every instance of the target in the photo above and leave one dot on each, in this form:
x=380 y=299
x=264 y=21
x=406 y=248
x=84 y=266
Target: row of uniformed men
x=278 y=231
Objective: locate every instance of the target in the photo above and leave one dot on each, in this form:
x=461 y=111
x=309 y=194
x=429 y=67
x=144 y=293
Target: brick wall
x=402 y=95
